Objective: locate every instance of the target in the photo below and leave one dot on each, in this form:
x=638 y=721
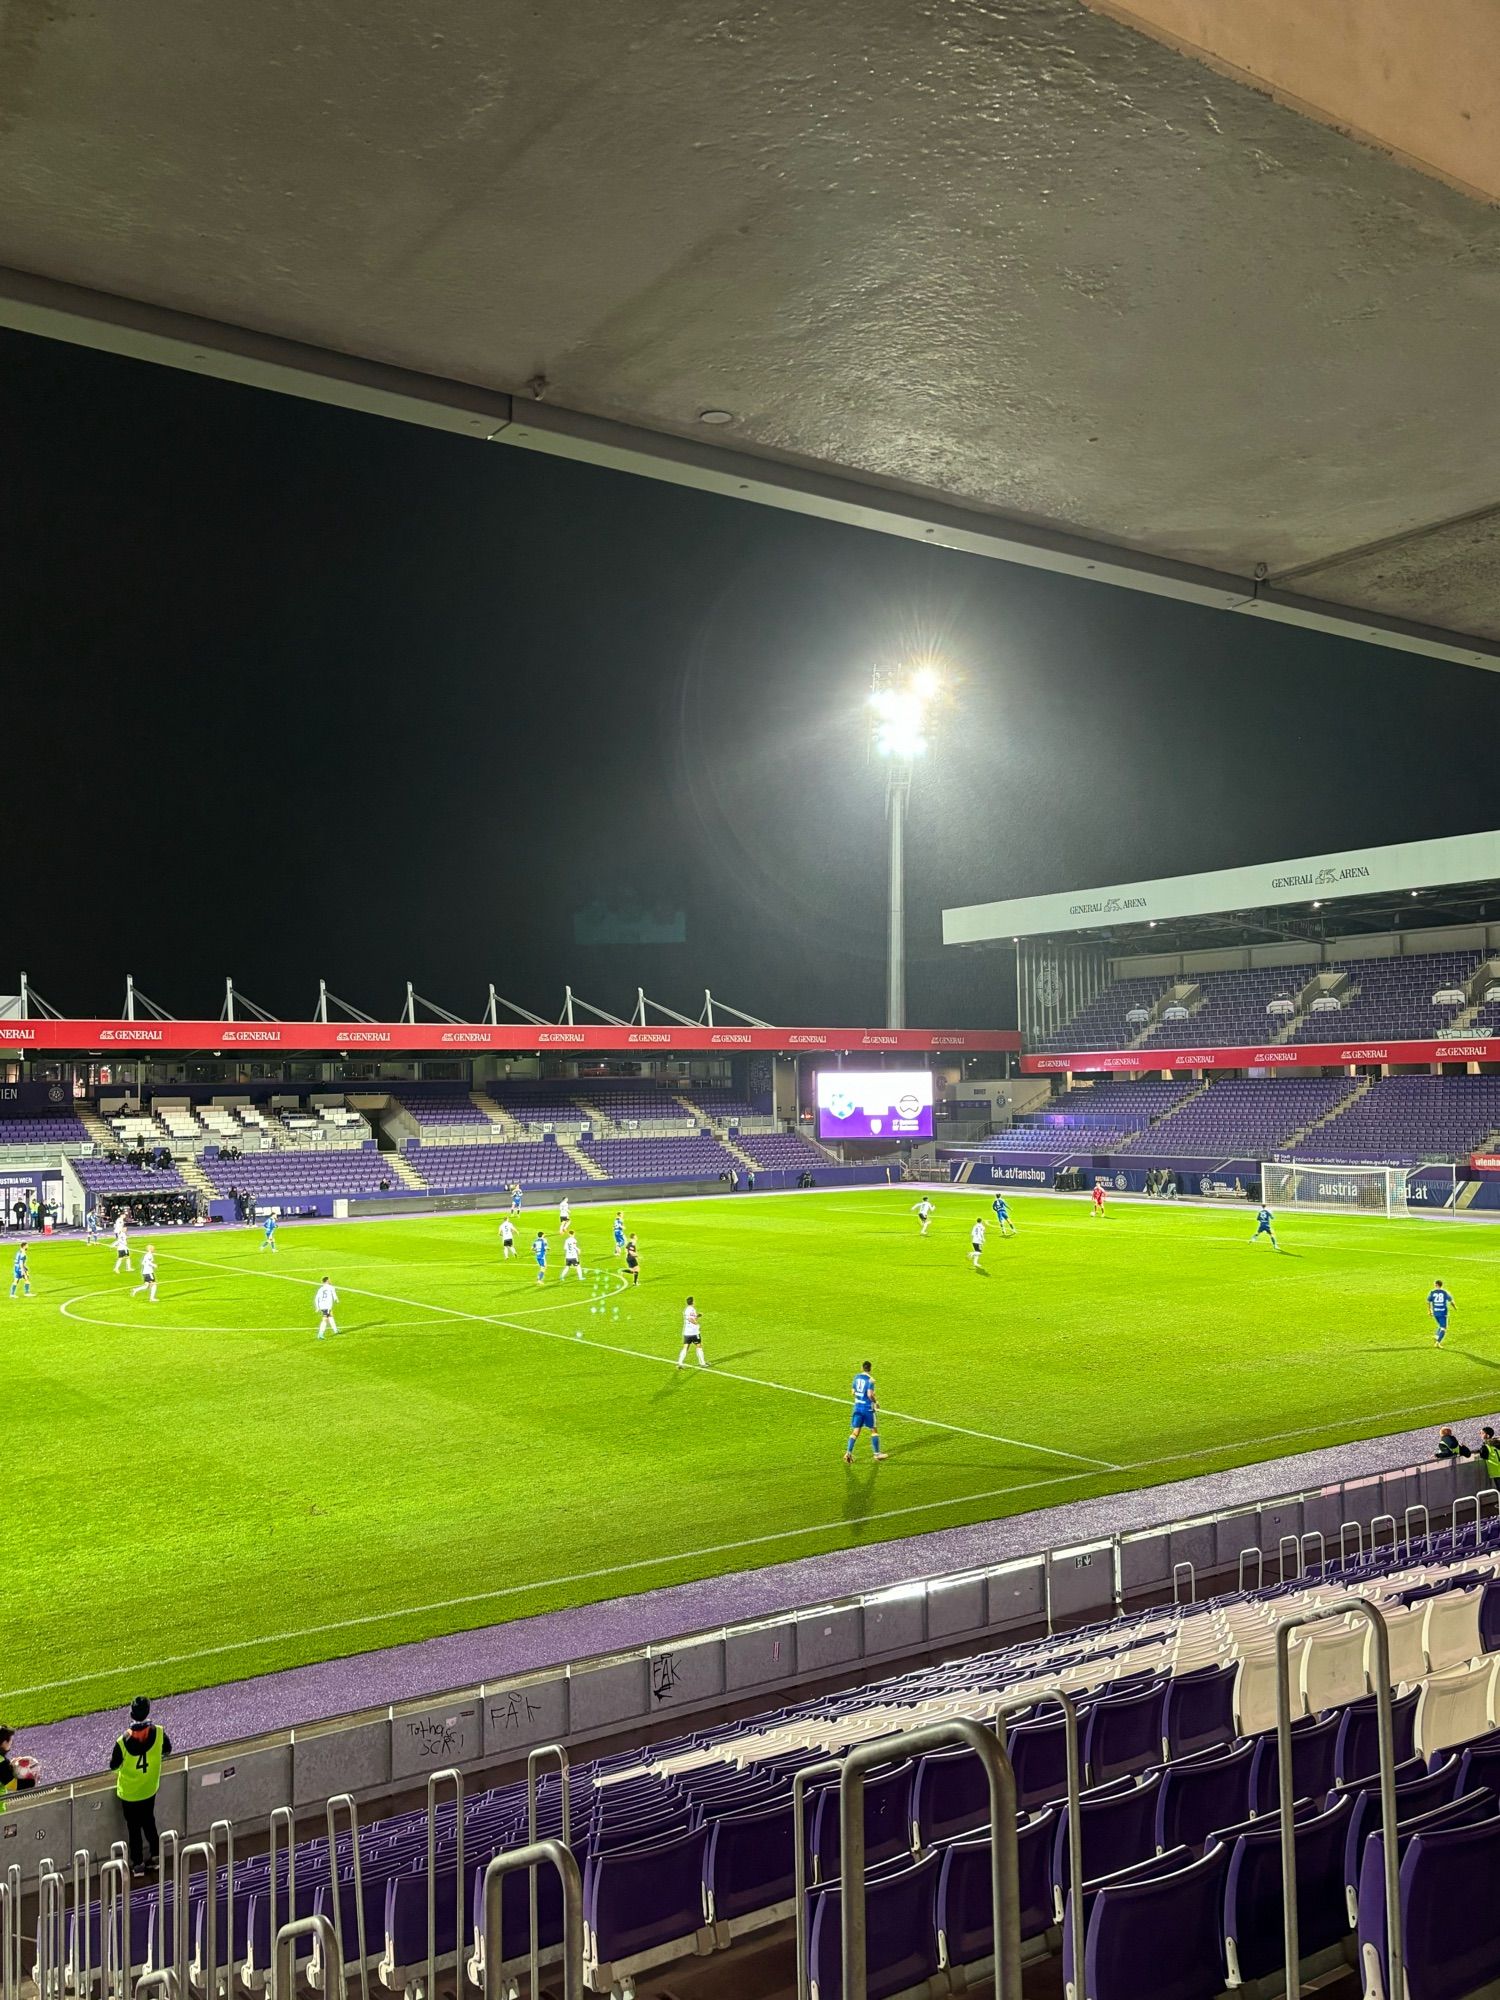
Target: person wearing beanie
x=136 y=1761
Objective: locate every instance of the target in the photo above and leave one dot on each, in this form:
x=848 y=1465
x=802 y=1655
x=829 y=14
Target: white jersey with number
x=507 y=1231
x=690 y=1327
x=148 y=1264
x=571 y=1250
x=122 y=1241
x=976 y=1235
x=327 y=1298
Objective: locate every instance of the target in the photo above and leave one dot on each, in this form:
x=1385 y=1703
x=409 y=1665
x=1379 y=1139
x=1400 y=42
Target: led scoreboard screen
x=874 y=1104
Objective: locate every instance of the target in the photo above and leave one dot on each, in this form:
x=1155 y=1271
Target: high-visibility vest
x=139 y=1775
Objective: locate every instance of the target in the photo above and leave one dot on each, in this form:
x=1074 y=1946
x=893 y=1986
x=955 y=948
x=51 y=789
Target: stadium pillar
x=898 y=787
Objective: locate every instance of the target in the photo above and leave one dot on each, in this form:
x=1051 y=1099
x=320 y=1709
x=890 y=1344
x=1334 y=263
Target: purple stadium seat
x=887 y=1827
x=1356 y=1752
x=1313 y=1742
x=900 y=1932
x=1252 y=1893
x=748 y=1863
x=965 y=1911
x=950 y=1795
x=1420 y=1795
x=1474 y=1811
x=1451 y=1939
x=1122 y=1734
x=1038 y=1755
x=1199 y=1796
x=639 y=1901
x=1489 y=1616
x=1118 y=1829
x=1479 y=1763
x=1160 y=1939
x=1198 y=1711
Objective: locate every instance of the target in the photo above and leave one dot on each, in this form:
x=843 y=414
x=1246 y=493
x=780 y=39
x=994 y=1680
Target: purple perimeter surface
x=300 y=1696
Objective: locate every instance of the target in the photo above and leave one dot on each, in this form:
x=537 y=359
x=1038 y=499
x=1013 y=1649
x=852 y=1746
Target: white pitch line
x=544 y=1583
x=639 y=1354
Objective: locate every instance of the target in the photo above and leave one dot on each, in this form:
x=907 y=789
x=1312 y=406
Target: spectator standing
x=1488 y=1454
x=13 y=1777
x=1448 y=1445
x=136 y=1761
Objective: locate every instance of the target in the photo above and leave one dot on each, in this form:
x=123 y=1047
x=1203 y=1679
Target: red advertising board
x=1485 y=1163
x=1290 y=1055
x=397 y=1038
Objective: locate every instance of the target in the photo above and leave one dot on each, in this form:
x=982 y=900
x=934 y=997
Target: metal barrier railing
x=1283 y=1544
x=531 y=1857
x=450 y=1776
x=81 y=1945
x=331 y=1815
x=1192 y=1577
x=10 y=1972
x=1465 y=1499
x=1313 y=1535
x=214 y=1989
x=1073 y=1782
x=10 y=1924
x=200 y=1851
x=1417 y=1507
x=1386 y=1735
x=1005 y=1880
x=1374 y=1539
x=534 y=1762
x=325 y=1955
x=1260 y=1568
x=1359 y=1542
x=50 y=1970
x=116 y=1972
x=820 y=1769
x=282 y=1817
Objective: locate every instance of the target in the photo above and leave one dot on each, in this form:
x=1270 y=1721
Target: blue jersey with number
x=269 y=1225
x=1263 y=1222
x=619 y=1232
x=18 y=1267
x=864 y=1402
x=1001 y=1211
x=1438 y=1302
x=540 y=1247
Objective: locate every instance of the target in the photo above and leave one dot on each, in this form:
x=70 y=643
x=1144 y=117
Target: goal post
x=1359 y=1190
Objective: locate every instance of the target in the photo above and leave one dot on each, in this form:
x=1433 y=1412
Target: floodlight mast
x=899 y=703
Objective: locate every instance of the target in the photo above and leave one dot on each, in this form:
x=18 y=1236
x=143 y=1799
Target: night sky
x=291 y=692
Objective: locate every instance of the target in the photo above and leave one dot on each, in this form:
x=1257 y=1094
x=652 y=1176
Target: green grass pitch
x=199 y=1490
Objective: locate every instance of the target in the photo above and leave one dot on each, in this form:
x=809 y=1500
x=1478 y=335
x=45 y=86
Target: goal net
x=1374 y=1190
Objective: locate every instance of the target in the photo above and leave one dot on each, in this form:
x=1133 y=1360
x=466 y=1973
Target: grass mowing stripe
x=639 y=1354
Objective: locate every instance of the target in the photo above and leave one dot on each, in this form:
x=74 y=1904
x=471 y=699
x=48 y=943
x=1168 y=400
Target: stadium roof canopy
x=1186 y=295
x=1415 y=884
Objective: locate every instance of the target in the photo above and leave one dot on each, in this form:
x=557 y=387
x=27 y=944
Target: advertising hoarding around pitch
x=874 y=1104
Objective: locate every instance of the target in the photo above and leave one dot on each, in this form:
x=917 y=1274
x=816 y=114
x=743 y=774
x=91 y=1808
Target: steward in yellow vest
x=136 y=1761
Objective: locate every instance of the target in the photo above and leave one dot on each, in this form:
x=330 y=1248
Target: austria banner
x=1299 y=1055
x=397 y=1038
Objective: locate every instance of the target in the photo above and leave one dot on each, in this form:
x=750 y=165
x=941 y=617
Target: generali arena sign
x=1302 y=1055
x=333 y=1038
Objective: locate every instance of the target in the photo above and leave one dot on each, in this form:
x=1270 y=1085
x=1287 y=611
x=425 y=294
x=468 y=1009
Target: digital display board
x=874 y=1104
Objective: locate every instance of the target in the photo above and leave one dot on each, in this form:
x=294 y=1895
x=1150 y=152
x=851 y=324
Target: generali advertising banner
x=1304 y=1055
x=447 y=1038
x=1412 y=864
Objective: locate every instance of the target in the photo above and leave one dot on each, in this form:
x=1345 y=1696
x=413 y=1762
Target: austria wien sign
x=1302 y=1055
x=396 y=1038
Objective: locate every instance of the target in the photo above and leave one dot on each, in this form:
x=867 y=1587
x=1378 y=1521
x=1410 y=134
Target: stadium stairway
x=187 y=1165
x=95 y=1126
x=507 y=1128
x=580 y=1159
x=406 y=1173
x=1338 y=1109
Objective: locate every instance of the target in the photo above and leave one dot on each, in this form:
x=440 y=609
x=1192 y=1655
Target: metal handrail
x=115 y=1968
x=1359 y=1541
x=1260 y=1567
x=1311 y=1535
x=202 y=1851
x=346 y=1799
x=1192 y=1582
x=1073 y=1797
x=1465 y=1499
x=530 y=1857
x=325 y=1944
x=450 y=1775
x=9 y=1925
x=1281 y=1549
x=799 y=1860
x=49 y=1932
x=1395 y=1537
x=81 y=1953
x=534 y=1761
x=1386 y=1736
x=167 y=1861
x=226 y=1827
x=1417 y=1507
x=1005 y=1877
x=280 y=1816
x=12 y=1969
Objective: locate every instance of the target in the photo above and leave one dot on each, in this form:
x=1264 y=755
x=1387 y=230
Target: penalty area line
x=640 y=1354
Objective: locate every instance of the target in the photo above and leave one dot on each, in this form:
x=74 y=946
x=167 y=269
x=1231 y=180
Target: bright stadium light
x=900 y=704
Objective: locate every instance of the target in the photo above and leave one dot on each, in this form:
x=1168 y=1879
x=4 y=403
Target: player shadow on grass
x=859 y=1493
x=1463 y=1353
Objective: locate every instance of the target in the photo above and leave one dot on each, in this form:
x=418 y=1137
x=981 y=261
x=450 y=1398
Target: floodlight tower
x=900 y=702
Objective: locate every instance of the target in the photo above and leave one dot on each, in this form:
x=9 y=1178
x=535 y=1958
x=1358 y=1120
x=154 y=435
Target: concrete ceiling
x=1012 y=274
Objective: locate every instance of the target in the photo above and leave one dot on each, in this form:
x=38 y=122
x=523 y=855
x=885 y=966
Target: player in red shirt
x=1098 y=1198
